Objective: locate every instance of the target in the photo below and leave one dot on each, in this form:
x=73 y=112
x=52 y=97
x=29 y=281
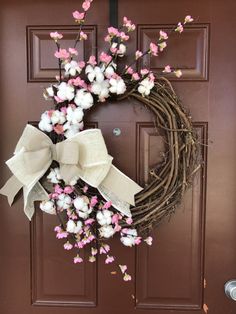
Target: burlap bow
x=83 y=156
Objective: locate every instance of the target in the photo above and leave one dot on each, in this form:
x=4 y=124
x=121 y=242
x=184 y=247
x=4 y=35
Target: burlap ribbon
x=83 y=156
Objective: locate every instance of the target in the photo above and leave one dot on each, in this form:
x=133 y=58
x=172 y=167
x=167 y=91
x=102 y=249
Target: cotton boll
x=145 y=86
x=70 y=226
x=106 y=231
x=78 y=227
x=94 y=73
x=65 y=91
x=46 y=127
x=58 y=117
x=122 y=50
x=132 y=232
x=64 y=201
x=74 y=115
x=128 y=241
x=72 y=68
x=54 y=176
x=83 y=99
x=79 y=203
x=48 y=207
x=72 y=129
x=104 y=217
x=117 y=86
x=101 y=89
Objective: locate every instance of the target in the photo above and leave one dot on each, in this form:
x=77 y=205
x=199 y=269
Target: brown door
x=36 y=274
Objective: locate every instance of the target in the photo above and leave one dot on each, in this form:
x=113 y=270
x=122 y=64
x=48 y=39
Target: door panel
x=36 y=274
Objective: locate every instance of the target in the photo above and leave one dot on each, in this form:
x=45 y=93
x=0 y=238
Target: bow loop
x=66 y=152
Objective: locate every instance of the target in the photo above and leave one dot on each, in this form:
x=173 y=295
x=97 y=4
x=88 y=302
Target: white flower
x=94 y=73
x=73 y=227
x=117 y=86
x=83 y=99
x=72 y=68
x=122 y=50
x=145 y=86
x=110 y=70
x=65 y=92
x=106 y=231
x=58 y=117
x=48 y=207
x=54 y=175
x=74 y=115
x=72 y=129
x=45 y=123
x=128 y=241
x=101 y=89
x=64 y=201
x=104 y=217
x=82 y=208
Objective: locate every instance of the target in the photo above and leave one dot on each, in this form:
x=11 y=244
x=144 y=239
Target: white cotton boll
x=74 y=115
x=101 y=89
x=79 y=202
x=122 y=50
x=106 y=231
x=117 y=86
x=71 y=129
x=104 y=217
x=54 y=176
x=145 y=86
x=64 y=201
x=44 y=126
x=94 y=73
x=128 y=241
x=83 y=99
x=58 y=117
x=78 y=227
x=132 y=232
x=48 y=207
x=70 y=226
x=72 y=68
x=65 y=91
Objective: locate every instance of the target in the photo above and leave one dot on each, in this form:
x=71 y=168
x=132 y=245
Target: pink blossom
x=135 y=76
x=62 y=54
x=105 y=248
x=89 y=221
x=86 y=5
x=144 y=71
x=94 y=251
x=78 y=82
x=113 y=50
x=83 y=36
x=81 y=64
x=53 y=195
x=92 y=60
x=107 y=38
x=117 y=228
x=112 y=31
x=178 y=73
x=126 y=277
x=129 y=70
x=138 y=240
x=57 y=229
x=93 y=201
x=123 y=268
x=68 y=189
x=188 y=19
x=167 y=69
x=123 y=36
x=163 y=35
x=109 y=259
x=91 y=238
x=138 y=54
x=127 y=23
x=115 y=218
x=148 y=240
x=62 y=235
x=58 y=189
x=105 y=58
x=56 y=36
x=107 y=205
x=68 y=246
x=85 y=188
x=78 y=259
x=153 y=49
x=129 y=220
x=58 y=129
x=63 y=109
x=78 y=16
x=179 y=28
x=58 y=99
x=73 y=51
x=151 y=77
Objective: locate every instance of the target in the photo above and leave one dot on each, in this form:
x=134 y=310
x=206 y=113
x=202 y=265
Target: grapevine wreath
x=69 y=170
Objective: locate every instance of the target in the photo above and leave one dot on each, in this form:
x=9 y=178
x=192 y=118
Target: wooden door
x=36 y=274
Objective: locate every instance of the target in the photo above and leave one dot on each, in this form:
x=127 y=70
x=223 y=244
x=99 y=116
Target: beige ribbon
x=82 y=156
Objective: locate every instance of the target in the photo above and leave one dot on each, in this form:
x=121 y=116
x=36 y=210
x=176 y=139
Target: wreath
x=69 y=170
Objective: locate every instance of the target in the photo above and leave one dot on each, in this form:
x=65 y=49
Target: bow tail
x=11 y=188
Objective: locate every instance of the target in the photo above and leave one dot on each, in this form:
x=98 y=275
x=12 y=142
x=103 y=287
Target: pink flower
x=92 y=60
x=78 y=82
x=127 y=23
x=58 y=189
x=129 y=220
x=123 y=36
x=83 y=36
x=138 y=54
x=126 y=277
x=179 y=28
x=105 y=248
x=151 y=77
x=129 y=70
x=112 y=31
x=149 y=240
x=80 y=244
x=163 y=35
x=62 y=54
x=138 y=240
x=56 y=36
x=86 y=5
x=105 y=58
x=167 y=69
x=93 y=201
x=58 y=129
x=117 y=228
x=73 y=51
x=68 y=189
x=57 y=229
x=68 y=246
x=109 y=259
x=144 y=71
x=178 y=73
x=153 y=49
x=81 y=64
x=123 y=268
x=135 y=76
x=107 y=38
x=115 y=219
x=188 y=19
x=62 y=235
x=107 y=205
x=78 y=16
x=89 y=221
x=85 y=188
x=94 y=251
x=78 y=259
